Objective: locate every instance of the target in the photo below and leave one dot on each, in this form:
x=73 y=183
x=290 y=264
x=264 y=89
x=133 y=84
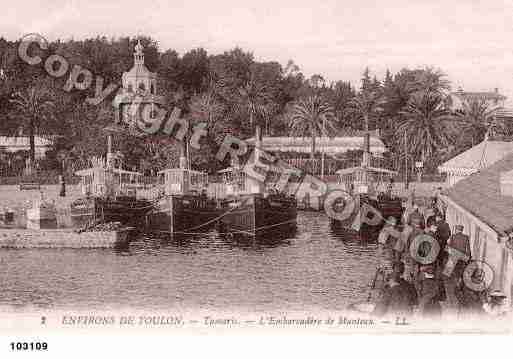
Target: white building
x=474 y=159
x=22 y=143
x=139 y=85
x=492 y=98
x=330 y=146
x=483 y=204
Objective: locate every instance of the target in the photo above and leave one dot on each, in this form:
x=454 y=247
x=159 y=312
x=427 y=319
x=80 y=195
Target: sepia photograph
x=256 y=168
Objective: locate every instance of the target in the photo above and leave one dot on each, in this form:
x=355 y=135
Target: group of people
x=413 y=286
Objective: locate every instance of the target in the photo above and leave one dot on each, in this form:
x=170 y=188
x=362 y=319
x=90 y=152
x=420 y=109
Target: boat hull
x=126 y=210
x=387 y=207
x=256 y=215
x=177 y=214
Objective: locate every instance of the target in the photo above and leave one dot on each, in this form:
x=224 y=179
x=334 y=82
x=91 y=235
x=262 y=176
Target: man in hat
x=430 y=292
x=386 y=241
x=416 y=216
x=471 y=299
x=388 y=230
x=431 y=230
x=62 y=181
x=390 y=188
x=461 y=243
x=431 y=212
x=496 y=306
x=443 y=231
x=399 y=297
x=402 y=248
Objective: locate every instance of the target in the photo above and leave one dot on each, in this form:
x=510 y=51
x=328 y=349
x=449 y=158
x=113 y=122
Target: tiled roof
x=504 y=113
x=480 y=156
x=480 y=194
x=485 y=95
x=23 y=141
x=139 y=70
x=330 y=145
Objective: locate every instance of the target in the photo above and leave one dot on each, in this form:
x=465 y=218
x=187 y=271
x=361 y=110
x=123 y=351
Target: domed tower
x=139 y=78
x=139 y=88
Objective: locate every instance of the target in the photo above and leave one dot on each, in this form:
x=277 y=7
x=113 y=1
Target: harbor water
x=315 y=269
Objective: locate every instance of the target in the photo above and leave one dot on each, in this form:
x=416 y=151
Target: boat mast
x=109 y=150
x=322 y=149
x=184 y=167
x=366 y=156
x=258 y=146
x=405 y=162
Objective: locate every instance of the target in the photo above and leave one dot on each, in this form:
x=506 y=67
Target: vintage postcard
x=172 y=167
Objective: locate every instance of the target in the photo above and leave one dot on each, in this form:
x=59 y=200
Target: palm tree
x=34 y=108
x=425 y=124
x=255 y=100
x=366 y=105
x=430 y=80
x=312 y=117
x=208 y=108
x=479 y=119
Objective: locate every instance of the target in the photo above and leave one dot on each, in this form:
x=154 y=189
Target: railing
x=41 y=177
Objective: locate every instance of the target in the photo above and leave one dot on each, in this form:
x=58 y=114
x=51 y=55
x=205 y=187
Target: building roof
x=332 y=146
x=457 y=99
x=504 y=113
x=91 y=170
x=346 y=171
x=480 y=194
x=139 y=70
x=21 y=142
x=482 y=155
x=480 y=95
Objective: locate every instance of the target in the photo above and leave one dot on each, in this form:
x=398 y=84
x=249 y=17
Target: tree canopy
x=232 y=92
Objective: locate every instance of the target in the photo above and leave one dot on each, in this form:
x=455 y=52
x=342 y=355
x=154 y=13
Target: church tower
x=139 y=86
x=139 y=78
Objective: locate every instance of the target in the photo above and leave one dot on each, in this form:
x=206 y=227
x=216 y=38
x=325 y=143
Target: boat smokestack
x=366 y=150
x=183 y=156
x=366 y=142
x=110 y=159
x=183 y=162
x=258 y=142
x=109 y=144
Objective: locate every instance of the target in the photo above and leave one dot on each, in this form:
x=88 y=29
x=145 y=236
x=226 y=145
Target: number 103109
x=25 y=346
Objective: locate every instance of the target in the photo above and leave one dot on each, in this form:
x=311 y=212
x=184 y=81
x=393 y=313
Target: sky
x=471 y=41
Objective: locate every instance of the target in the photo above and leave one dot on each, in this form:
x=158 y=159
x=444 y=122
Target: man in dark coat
x=461 y=243
x=399 y=297
x=443 y=231
x=430 y=292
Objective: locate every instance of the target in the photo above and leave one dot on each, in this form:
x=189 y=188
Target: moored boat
x=109 y=196
x=109 y=193
x=250 y=209
x=256 y=214
x=182 y=206
x=371 y=208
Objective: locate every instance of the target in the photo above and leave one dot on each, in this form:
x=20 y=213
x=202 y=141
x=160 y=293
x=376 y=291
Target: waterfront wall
x=61 y=238
x=12 y=197
x=485 y=245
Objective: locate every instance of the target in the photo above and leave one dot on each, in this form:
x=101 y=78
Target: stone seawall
x=62 y=238
x=13 y=197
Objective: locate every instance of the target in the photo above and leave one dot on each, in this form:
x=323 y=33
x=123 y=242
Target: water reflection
x=311 y=267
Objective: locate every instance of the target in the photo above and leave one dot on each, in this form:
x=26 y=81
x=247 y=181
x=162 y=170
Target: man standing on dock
x=461 y=243
x=430 y=292
x=399 y=297
x=402 y=248
x=62 y=192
